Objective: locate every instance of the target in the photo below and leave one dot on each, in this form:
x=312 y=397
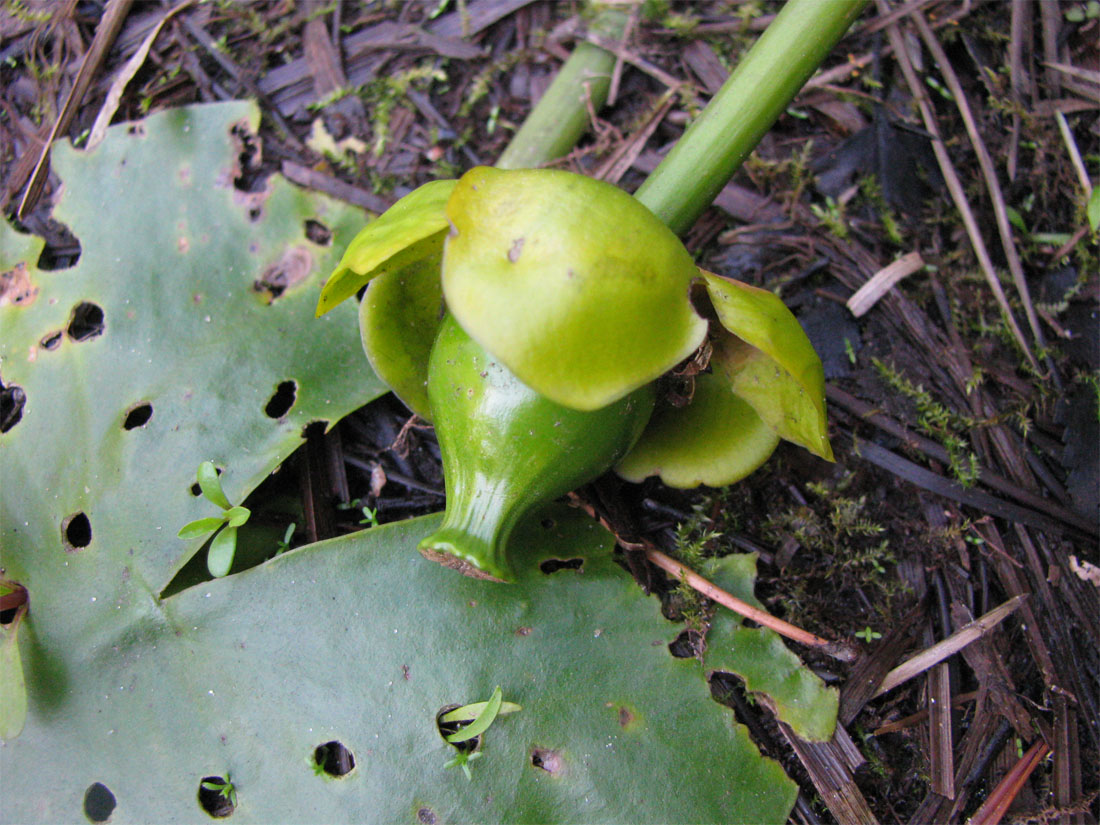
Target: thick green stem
x=765 y=82
x=562 y=113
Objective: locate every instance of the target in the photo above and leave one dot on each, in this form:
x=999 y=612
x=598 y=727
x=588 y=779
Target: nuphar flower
x=528 y=315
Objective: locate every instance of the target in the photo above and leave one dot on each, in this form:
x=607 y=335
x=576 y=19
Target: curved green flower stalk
x=528 y=313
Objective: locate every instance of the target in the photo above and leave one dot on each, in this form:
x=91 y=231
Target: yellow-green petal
x=716 y=440
x=398 y=320
x=408 y=231
x=774 y=366
x=573 y=284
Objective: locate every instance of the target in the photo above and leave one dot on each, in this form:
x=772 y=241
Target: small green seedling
x=370 y=517
x=284 y=545
x=478 y=717
x=219 y=558
x=226 y=789
x=868 y=635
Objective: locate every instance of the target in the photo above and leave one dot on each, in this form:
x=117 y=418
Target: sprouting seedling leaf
x=13 y=688
x=483 y=720
x=211 y=485
x=225 y=789
x=200 y=527
x=236 y=516
x=462 y=760
x=1093 y=209
x=468 y=713
x=219 y=558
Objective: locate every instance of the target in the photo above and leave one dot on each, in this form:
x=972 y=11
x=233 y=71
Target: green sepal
x=13 y=688
x=716 y=439
x=200 y=527
x=408 y=231
x=211 y=485
x=219 y=558
x=570 y=282
x=398 y=321
x=779 y=373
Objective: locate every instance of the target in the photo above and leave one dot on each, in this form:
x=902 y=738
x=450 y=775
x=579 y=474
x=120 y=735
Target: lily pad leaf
x=778 y=373
x=573 y=284
x=759 y=656
x=192 y=666
x=716 y=440
x=408 y=231
x=13 y=689
x=398 y=321
x=200 y=527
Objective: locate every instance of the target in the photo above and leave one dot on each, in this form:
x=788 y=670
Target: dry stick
x=1074 y=154
x=954 y=185
x=715 y=593
x=1000 y=210
x=995 y=806
x=123 y=78
x=1021 y=10
x=105 y=35
x=949 y=646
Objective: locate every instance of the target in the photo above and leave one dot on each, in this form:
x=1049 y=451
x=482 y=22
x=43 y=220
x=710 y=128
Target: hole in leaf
x=137 y=130
x=548 y=524
x=283 y=399
x=334 y=759
x=548 y=760
x=12 y=401
x=86 y=322
x=318 y=232
x=62 y=249
x=425 y=815
x=51 y=340
x=447 y=728
x=217 y=803
x=138 y=416
x=554 y=565
x=687 y=645
x=99 y=802
x=314 y=429
x=76 y=530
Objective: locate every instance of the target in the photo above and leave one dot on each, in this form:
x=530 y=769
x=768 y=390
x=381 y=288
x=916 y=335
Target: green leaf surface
x=200 y=527
x=716 y=440
x=1093 y=209
x=211 y=485
x=781 y=375
x=760 y=657
x=398 y=321
x=360 y=640
x=13 y=689
x=219 y=558
x=408 y=231
x=575 y=286
x=171 y=254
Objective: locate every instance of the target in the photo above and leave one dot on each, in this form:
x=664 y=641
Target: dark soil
x=967 y=466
